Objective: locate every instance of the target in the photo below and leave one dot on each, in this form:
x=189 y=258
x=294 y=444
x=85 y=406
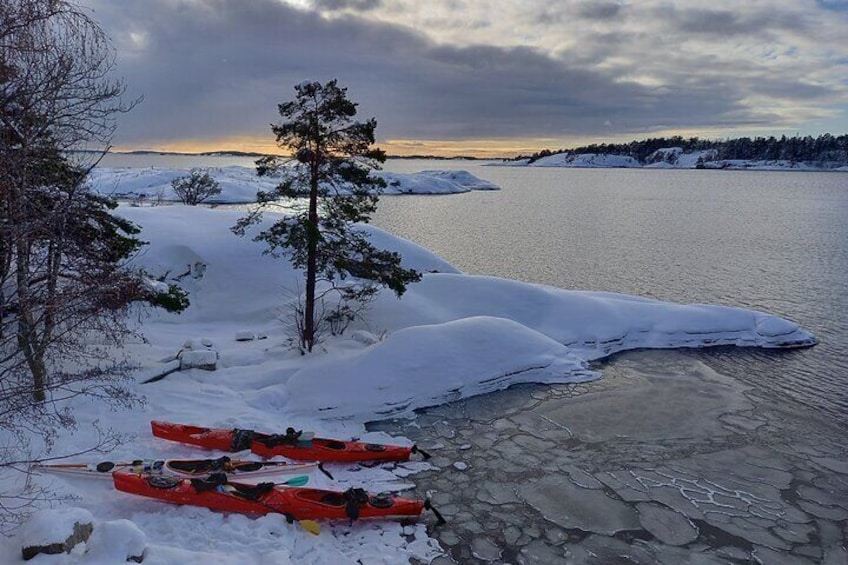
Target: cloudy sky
x=482 y=76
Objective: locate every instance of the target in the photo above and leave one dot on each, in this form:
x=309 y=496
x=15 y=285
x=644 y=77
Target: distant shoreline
x=254 y=154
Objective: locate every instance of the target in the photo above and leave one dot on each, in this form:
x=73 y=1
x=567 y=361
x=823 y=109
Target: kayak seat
x=200 y=465
x=333 y=499
x=381 y=501
x=212 y=482
x=333 y=444
x=247 y=467
x=252 y=492
x=291 y=437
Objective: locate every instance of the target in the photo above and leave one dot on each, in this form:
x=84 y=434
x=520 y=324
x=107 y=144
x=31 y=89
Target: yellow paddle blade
x=310 y=526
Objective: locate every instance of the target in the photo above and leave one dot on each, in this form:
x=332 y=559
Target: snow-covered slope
x=665 y=158
x=676 y=158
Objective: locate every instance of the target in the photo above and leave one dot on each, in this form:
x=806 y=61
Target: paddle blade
x=310 y=526
x=297 y=481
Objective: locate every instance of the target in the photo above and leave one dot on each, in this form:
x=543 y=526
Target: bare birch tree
x=64 y=283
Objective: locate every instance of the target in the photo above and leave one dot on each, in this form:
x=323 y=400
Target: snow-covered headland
x=450 y=336
x=240 y=184
x=666 y=158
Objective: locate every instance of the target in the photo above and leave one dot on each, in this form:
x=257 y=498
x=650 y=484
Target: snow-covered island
x=665 y=158
x=449 y=337
x=240 y=184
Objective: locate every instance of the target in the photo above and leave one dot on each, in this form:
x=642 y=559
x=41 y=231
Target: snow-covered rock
x=56 y=530
x=585 y=160
x=245 y=335
x=240 y=184
x=462 y=178
x=198 y=354
x=433 y=182
x=676 y=158
x=665 y=158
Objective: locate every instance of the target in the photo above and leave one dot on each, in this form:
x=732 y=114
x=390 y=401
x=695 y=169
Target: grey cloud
x=729 y=23
x=219 y=68
x=357 y=5
x=598 y=10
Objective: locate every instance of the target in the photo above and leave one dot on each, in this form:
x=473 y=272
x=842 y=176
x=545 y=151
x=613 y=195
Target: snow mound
x=462 y=178
x=433 y=182
x=428 y=365
x=592 y=324
x=228 y=278
x=238 y=184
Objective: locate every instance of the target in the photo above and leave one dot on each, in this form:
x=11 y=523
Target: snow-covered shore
x=666 y=158
x=240 y=184
x=450 y=336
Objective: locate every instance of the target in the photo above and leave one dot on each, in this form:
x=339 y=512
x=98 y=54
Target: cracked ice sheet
x=746 y=503
x=570 y=506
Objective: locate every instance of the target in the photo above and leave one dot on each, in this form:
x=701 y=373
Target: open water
x=771 y=241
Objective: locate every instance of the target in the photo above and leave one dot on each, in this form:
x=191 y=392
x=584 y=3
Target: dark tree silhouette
x=330 y=164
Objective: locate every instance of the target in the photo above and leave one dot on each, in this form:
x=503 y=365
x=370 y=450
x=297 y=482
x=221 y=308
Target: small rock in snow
x=460 y=465
x=245 y=335
x=364 y=337
x=465 y=447
x=206 y=359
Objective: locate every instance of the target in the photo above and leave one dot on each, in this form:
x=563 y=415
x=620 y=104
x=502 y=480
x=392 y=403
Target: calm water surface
x=771 y=241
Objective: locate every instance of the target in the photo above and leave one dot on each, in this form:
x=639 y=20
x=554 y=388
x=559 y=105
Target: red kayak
x=293 y=444
x=294 y=502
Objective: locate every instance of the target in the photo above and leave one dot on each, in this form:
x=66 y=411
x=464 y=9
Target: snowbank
x=432 y=364
x=240 y=184
x=591 y=324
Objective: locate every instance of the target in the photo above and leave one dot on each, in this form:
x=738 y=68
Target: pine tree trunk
x=308 y=337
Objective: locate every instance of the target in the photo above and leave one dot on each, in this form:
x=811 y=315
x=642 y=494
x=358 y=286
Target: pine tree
x=330 y=165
